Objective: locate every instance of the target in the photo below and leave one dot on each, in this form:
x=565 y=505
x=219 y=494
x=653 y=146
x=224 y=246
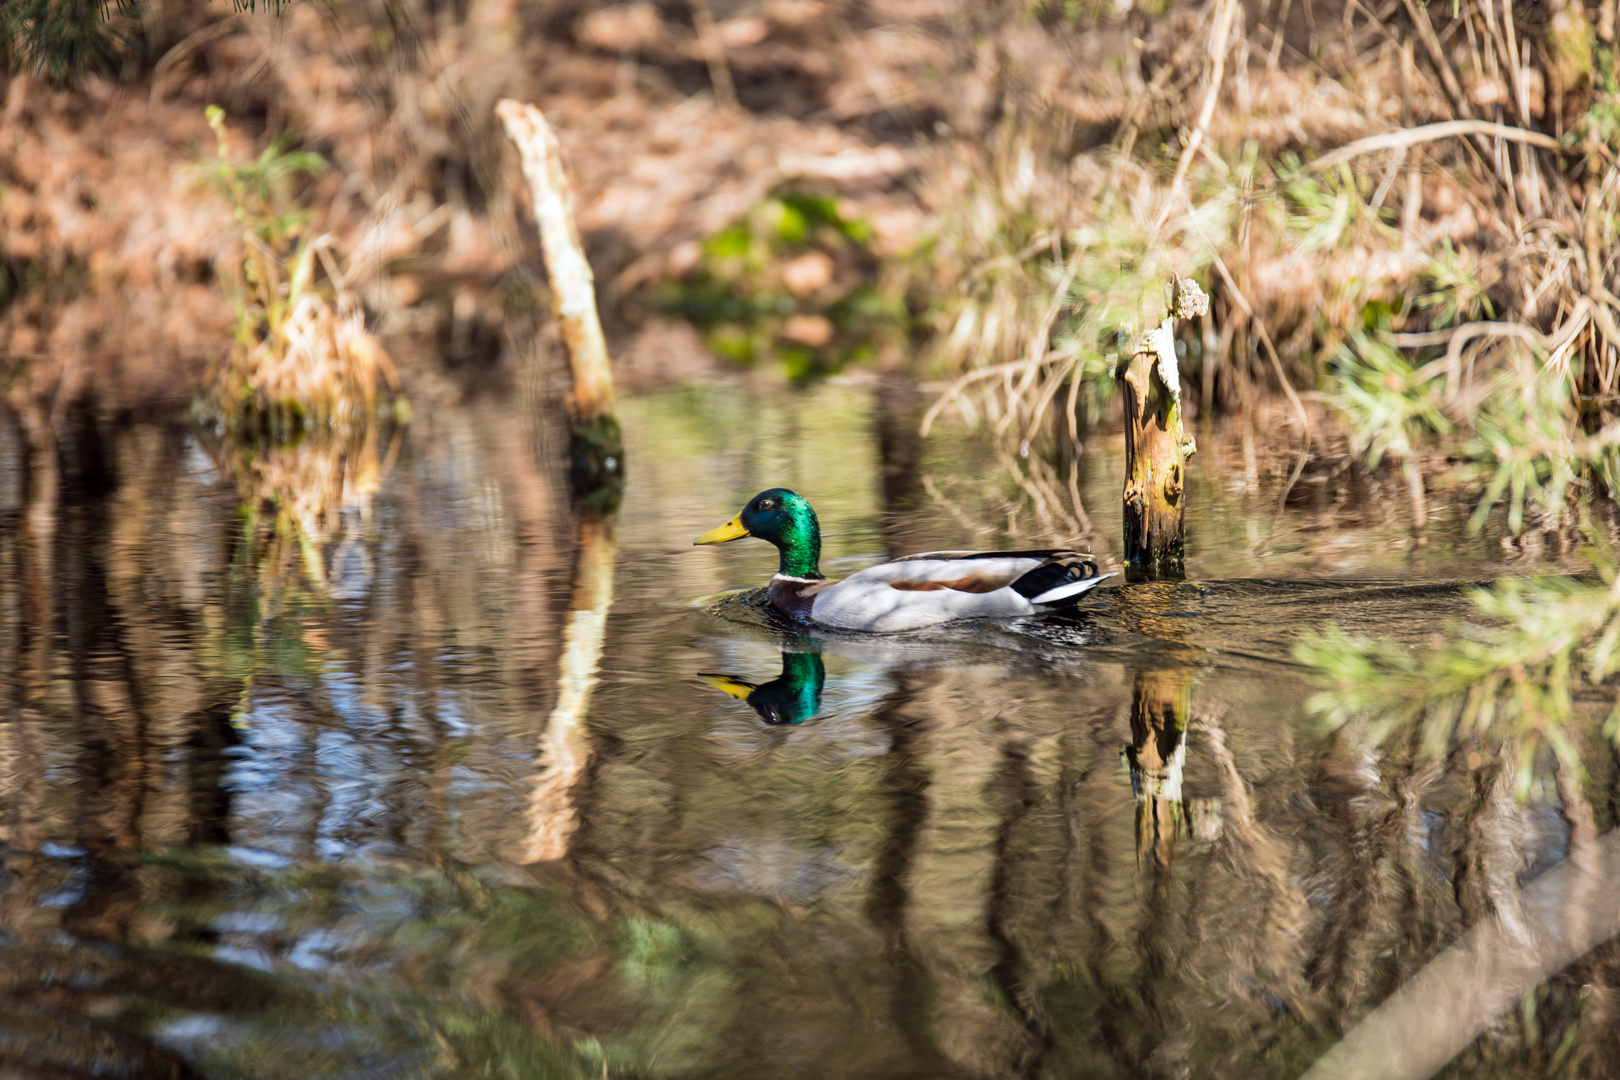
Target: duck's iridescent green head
x=785 y=519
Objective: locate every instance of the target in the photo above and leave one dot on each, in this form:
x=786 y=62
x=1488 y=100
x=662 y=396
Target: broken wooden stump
x=596 y=449
x=1156 y=445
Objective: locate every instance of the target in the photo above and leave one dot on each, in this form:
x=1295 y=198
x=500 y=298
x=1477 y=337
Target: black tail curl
x=1060 y=568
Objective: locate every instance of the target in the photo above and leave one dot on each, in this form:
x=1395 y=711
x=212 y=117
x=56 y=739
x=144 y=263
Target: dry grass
x=1448 y=267
x=295 y=405
x=303 y=356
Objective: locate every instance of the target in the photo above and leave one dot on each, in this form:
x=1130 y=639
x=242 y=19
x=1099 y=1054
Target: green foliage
x=654 y=956
x=1513 y=678
x=294 y=413
x=1524 y=444
x=1317 y=212
x=397 y=979
x=64 y=40
x=794 y=218
x=1118 y=273
x=757 y=289
x=1306 y=209
x=1456 y=282
x=258 y=192
x=1390 y=402
x=303 y=355
x=1119 y=249
x=1526 y=441
x=1099 y=279
x=262 y=200
x=1601 y=121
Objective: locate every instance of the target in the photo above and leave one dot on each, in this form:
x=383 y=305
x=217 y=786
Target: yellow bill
x=726 y=684
x=731 y=530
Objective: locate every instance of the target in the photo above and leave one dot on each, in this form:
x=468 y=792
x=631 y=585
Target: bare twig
x=1406 y=137
x=1457 y=337
x=1431 y=44
x=714 y=55
x=1225 y=11
x=1265 y=339
x=954 y=391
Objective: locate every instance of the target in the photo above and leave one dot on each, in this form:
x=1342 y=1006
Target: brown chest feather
x=794 y=597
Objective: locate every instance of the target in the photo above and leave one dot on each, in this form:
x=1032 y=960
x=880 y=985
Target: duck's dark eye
x=765 y=504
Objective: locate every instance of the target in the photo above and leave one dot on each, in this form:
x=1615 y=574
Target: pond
x=483 y=784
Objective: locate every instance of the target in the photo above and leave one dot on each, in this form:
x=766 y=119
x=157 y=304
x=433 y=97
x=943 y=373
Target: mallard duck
x=904 y=593
x=791 y=698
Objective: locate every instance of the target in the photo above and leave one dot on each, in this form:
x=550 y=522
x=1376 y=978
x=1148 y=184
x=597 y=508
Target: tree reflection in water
x=275 y=826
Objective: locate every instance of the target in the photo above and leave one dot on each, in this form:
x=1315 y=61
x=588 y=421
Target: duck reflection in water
x=791 y=698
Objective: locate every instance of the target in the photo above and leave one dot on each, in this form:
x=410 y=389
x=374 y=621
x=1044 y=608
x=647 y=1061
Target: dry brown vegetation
x=1029 y=174
x=1425 y=227
x=398 y=98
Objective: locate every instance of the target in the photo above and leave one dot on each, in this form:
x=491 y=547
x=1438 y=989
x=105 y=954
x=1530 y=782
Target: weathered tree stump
x=596 y=451
x=1156 y=445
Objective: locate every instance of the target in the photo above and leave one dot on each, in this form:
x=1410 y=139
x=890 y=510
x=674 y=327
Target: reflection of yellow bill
x=725 y=683
x=731 y=530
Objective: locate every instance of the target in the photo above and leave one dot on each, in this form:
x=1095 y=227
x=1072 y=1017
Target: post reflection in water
x=565 y=744
x=1157 y=757
x=455 y=804
x=1160 y=711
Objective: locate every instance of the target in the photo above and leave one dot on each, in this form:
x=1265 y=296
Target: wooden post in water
x=597 y=450
x=1156 y=445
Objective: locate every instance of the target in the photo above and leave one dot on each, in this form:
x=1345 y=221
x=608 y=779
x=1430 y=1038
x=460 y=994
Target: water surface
x=287 y=806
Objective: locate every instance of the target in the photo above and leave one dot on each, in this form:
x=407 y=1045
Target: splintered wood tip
x=519 y=118
x=1191 y=301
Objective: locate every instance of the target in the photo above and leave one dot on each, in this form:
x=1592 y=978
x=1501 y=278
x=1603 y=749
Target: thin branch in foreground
x=1446 y=129
x=1442 y=1009
x=1219 y=35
